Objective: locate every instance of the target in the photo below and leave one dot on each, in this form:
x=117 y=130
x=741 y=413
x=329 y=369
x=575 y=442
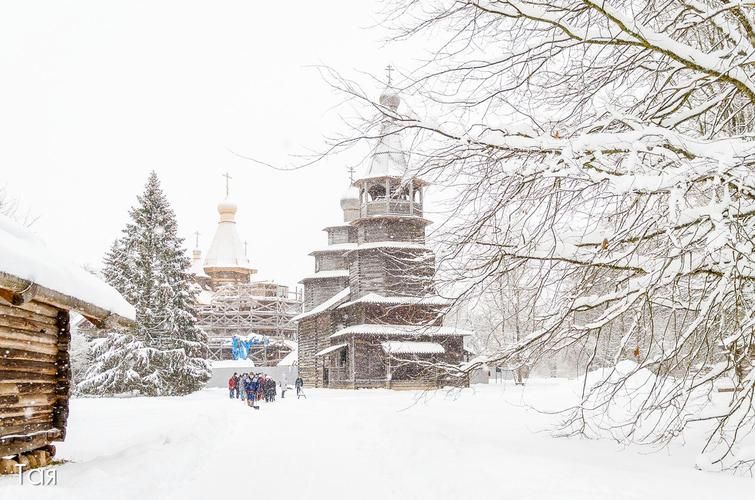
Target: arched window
x=401 y=193
x=376 y=192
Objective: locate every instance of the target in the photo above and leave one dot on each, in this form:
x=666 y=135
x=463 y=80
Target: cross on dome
x=227 y=184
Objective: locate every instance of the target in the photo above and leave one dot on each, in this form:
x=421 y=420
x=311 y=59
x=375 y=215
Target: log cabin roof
x=335 y=273
x=367 y=218
x=376 y=245
x=374 y=298
x=29 y=269
x=330 y=349
x=402 y=330
x=325 y=306
x=409 y=347
x=335 y=248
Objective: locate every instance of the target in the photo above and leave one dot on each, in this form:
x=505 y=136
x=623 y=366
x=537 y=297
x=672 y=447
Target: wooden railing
x=390 y=207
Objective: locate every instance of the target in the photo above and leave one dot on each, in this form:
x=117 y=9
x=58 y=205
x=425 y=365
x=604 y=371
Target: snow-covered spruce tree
x=166 y=352
x=121 y=363
x=610 y=142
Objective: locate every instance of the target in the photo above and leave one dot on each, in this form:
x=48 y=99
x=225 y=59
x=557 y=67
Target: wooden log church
x=38 y=292
x=372 y=316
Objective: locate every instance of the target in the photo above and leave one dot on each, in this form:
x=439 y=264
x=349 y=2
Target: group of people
x=253 y=387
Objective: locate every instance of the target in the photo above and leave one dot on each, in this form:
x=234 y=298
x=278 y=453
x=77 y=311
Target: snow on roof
x=476 y=362
x=337 y=226
x=336 y=247
x=204 y=297
x=335 y=273
x=330 y=349
x=391 y=244
x=226 y=249
x=399 y=347
x=197 y=270
x=288 y=343
x=402 y=330
x=325 y=306
x=26 y=256
x=291 y=359
x=373 y=298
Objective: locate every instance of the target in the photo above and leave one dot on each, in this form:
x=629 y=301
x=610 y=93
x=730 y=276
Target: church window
x=376 y=192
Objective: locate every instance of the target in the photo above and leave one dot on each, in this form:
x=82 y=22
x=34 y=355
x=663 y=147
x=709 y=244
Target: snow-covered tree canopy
x=607 y=145
x=166 y=353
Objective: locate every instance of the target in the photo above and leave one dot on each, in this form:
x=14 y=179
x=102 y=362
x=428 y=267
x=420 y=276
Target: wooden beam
x=22 y=445
x=24 y=291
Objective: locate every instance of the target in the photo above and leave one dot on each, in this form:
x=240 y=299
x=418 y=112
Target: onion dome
x=390 y=99
x=226 y=250
x=227 y=210
x=351 y=193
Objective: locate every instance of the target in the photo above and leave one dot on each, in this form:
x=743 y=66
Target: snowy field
x=481 y=443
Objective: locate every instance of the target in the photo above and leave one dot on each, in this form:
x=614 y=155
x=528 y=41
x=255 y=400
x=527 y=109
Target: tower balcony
x=390 y=207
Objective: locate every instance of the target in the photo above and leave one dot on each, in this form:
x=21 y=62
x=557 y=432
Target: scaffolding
x=251 y=309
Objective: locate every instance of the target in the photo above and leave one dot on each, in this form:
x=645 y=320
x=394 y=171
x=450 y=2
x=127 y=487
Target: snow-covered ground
x=480 y=443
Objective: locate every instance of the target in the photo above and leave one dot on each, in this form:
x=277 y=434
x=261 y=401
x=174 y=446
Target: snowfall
x=483 y=442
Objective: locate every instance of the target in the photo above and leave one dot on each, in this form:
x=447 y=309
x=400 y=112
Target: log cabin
x=372 y=316
x=38 y=292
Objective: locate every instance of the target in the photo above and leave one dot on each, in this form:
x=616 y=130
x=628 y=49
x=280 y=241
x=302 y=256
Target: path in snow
x=355 y=444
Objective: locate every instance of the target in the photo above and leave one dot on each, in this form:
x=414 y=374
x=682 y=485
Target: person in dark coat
x=269 y=390
x=251 y=391
x=261 y=387
x=299 y=384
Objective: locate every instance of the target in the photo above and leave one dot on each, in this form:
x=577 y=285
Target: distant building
x=372 y=316
x=230 y=304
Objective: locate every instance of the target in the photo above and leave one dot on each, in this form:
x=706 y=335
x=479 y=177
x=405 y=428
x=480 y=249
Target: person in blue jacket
x=251 y=390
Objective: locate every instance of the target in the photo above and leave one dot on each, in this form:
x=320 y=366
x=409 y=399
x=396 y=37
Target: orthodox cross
x=246 y=248
x=196 y=236
x=389 y=71
x=227 y=183
x=351 y=174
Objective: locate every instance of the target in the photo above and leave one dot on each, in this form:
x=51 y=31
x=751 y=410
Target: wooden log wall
x=409 y=272
x=319 y=290
x=330 y=261
x=404 y=314
x=390 y=271
x=366 y=272
x=341 y=234
x=34 y=375
x=379 y=229
x=314 y=336
x=307 y=338
x=372 y=364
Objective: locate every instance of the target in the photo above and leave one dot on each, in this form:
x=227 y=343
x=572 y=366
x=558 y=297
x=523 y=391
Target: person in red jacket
x=233 y=386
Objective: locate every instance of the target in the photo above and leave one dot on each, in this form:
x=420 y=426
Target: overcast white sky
x=94 y=95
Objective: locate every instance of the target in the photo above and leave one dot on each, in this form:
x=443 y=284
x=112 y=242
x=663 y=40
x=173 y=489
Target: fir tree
x=165 y=354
